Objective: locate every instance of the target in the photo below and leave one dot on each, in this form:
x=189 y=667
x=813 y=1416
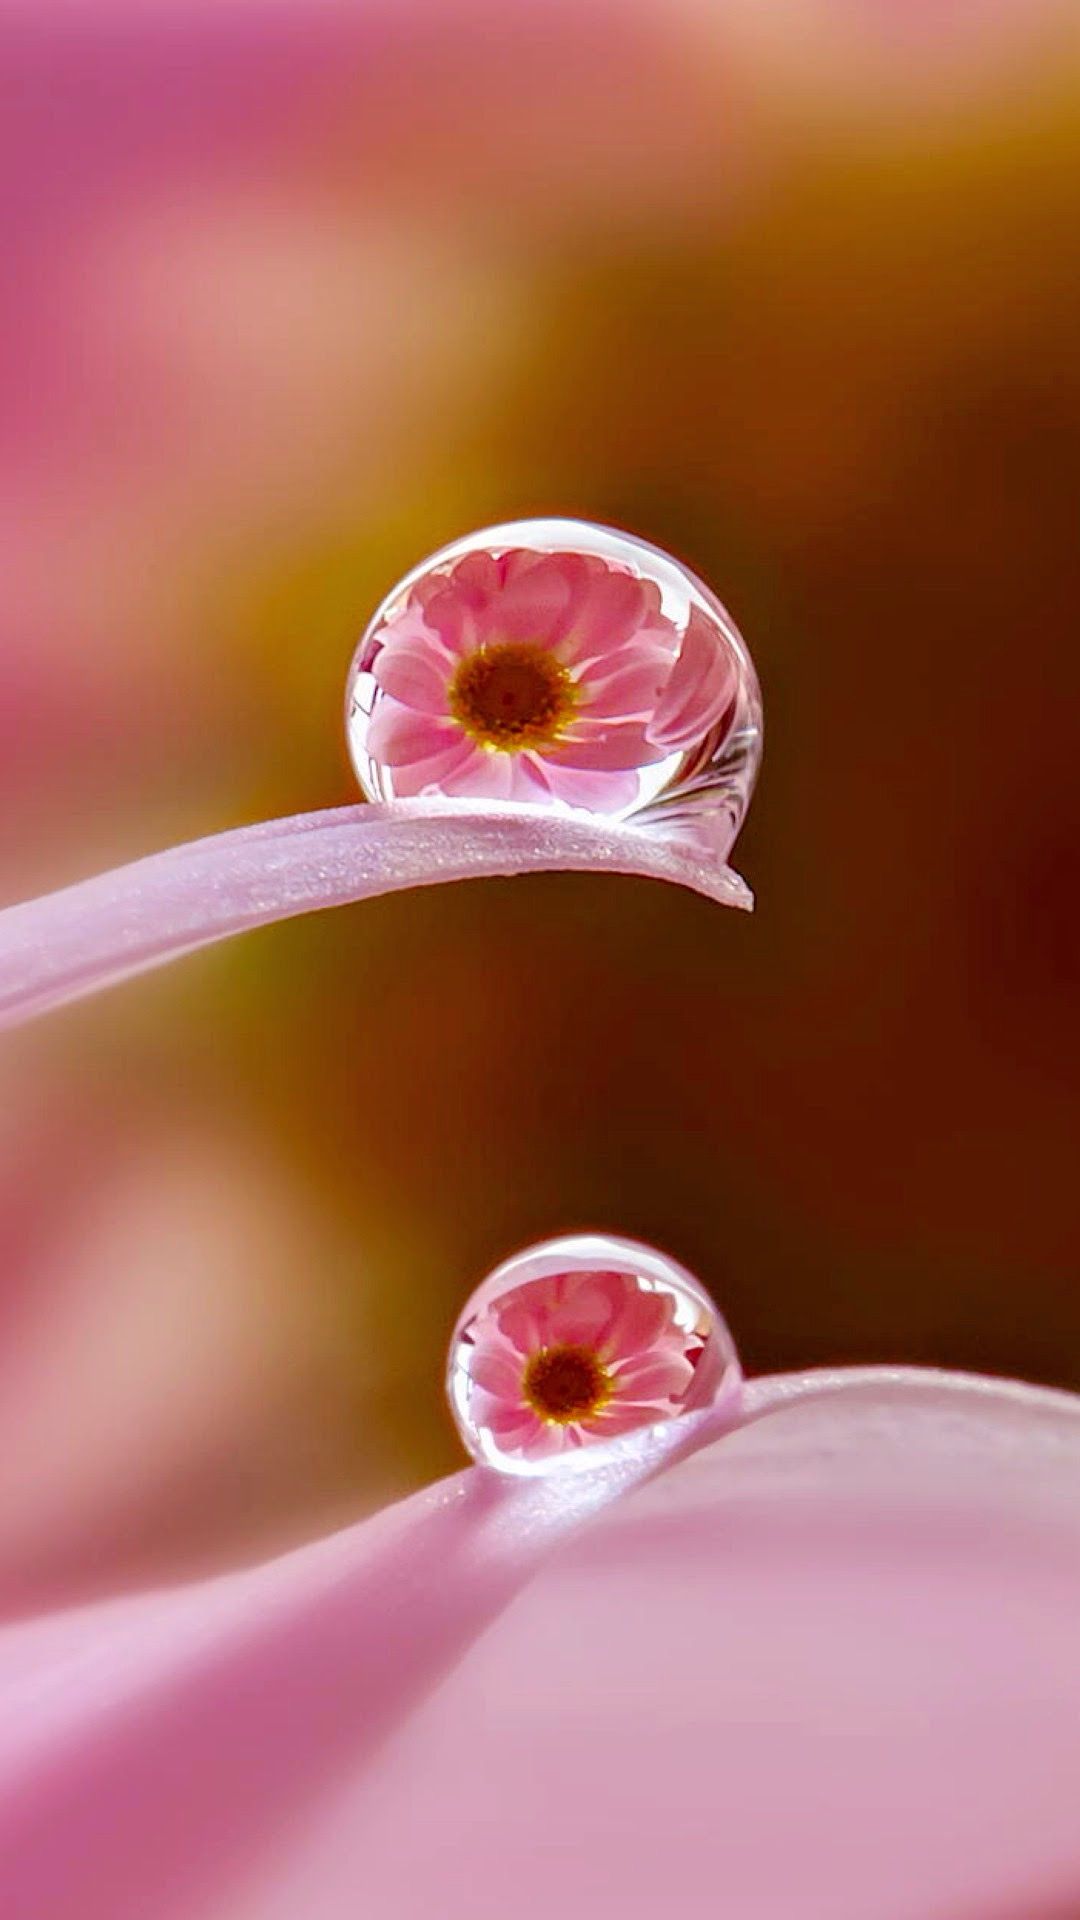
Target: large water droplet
x=576 y=1342
x=565 y=666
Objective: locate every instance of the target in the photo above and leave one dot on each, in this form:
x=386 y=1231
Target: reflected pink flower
x=525 y=677
x=577 y=1357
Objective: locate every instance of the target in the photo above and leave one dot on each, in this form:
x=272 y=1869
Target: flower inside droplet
x=579 y=1356
x=555 y=665
x=512 y=697
x=577 y=1342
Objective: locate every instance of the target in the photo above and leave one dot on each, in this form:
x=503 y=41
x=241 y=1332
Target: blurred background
x=297 y=292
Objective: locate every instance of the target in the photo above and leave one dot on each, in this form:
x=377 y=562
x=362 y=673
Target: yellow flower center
x=562 y=1384
x=512 y=696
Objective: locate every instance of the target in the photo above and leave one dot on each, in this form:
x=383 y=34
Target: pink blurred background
x=295 y=294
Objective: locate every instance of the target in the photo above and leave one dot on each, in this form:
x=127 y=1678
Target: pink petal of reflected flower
x=632 y=691
x=622 y=1416
x=521 y=1322
x=453 y=619
x=483 y=776
x=649 y=648
x=700 y=690
x=598 y=792
x=508 y=1421
x=85 y=937
x=649 y=1380
x=414 y=674
x=851 y=1624
x=423 y=776
x=528 y=608
x=612 y=609
x=574 y=1308
x=640 y=1321
x=400 y=735
x=529 y=783
x=611 y=748
x=477 y=578
x=494 y=1370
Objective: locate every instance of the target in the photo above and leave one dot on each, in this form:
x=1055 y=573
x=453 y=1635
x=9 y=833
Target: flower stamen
x=563 y=1384
x=512 y=696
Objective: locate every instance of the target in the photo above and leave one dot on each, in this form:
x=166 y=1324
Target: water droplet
x=576 y=1342
x=564 y=666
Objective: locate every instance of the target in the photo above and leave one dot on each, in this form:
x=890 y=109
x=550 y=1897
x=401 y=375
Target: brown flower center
x=512 y=696
x=566 y=1383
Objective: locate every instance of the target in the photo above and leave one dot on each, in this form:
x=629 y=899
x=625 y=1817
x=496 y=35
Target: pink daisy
x=536 y=677
x=574 y=1358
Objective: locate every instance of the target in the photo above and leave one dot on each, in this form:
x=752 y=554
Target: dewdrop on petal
x=577 y=1342
x=564 y=666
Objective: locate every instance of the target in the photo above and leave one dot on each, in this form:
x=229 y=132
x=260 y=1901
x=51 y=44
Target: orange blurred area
x=299 y=293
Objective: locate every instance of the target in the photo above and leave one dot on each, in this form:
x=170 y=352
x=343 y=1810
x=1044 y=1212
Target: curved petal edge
x=91 y=935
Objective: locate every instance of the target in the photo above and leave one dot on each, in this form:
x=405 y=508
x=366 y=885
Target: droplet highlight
x=565 y=666
x=575 y=1343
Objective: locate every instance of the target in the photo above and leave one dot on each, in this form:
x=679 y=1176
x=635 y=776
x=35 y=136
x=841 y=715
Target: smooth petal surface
x=71 y=943
x=826 y=1667
x=173 y=1739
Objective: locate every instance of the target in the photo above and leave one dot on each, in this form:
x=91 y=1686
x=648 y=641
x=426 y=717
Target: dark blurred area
x=297 y=295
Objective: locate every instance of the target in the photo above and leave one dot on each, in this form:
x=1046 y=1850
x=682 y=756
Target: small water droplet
x=564 y=666
x=576 y=1342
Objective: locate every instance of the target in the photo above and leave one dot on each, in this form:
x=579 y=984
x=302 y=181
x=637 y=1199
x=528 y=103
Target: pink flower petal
x=631 y=690
x=529 y=784
x=700 y=690
x=520 y=560
x=595 y=792
x=422 y=776
x=521 y=1320
x=608 y=1282
x=641 y=1320
x=605 y=748
x=545 y=1440
x=654 y=1377
x=410 y=629
x=651 y=647
x=413 y=673
x=853 y=1613
x=514 y=1425
x=580 y=572
x=611 y=610
x=86 y=937
x=496 y=1372
x=452 y=618
x=399 y=735
x=529 y=607
x=569 y=1308
x=581 y=1318
x=476 y=578
x=623 y=1416
x=484 y=776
